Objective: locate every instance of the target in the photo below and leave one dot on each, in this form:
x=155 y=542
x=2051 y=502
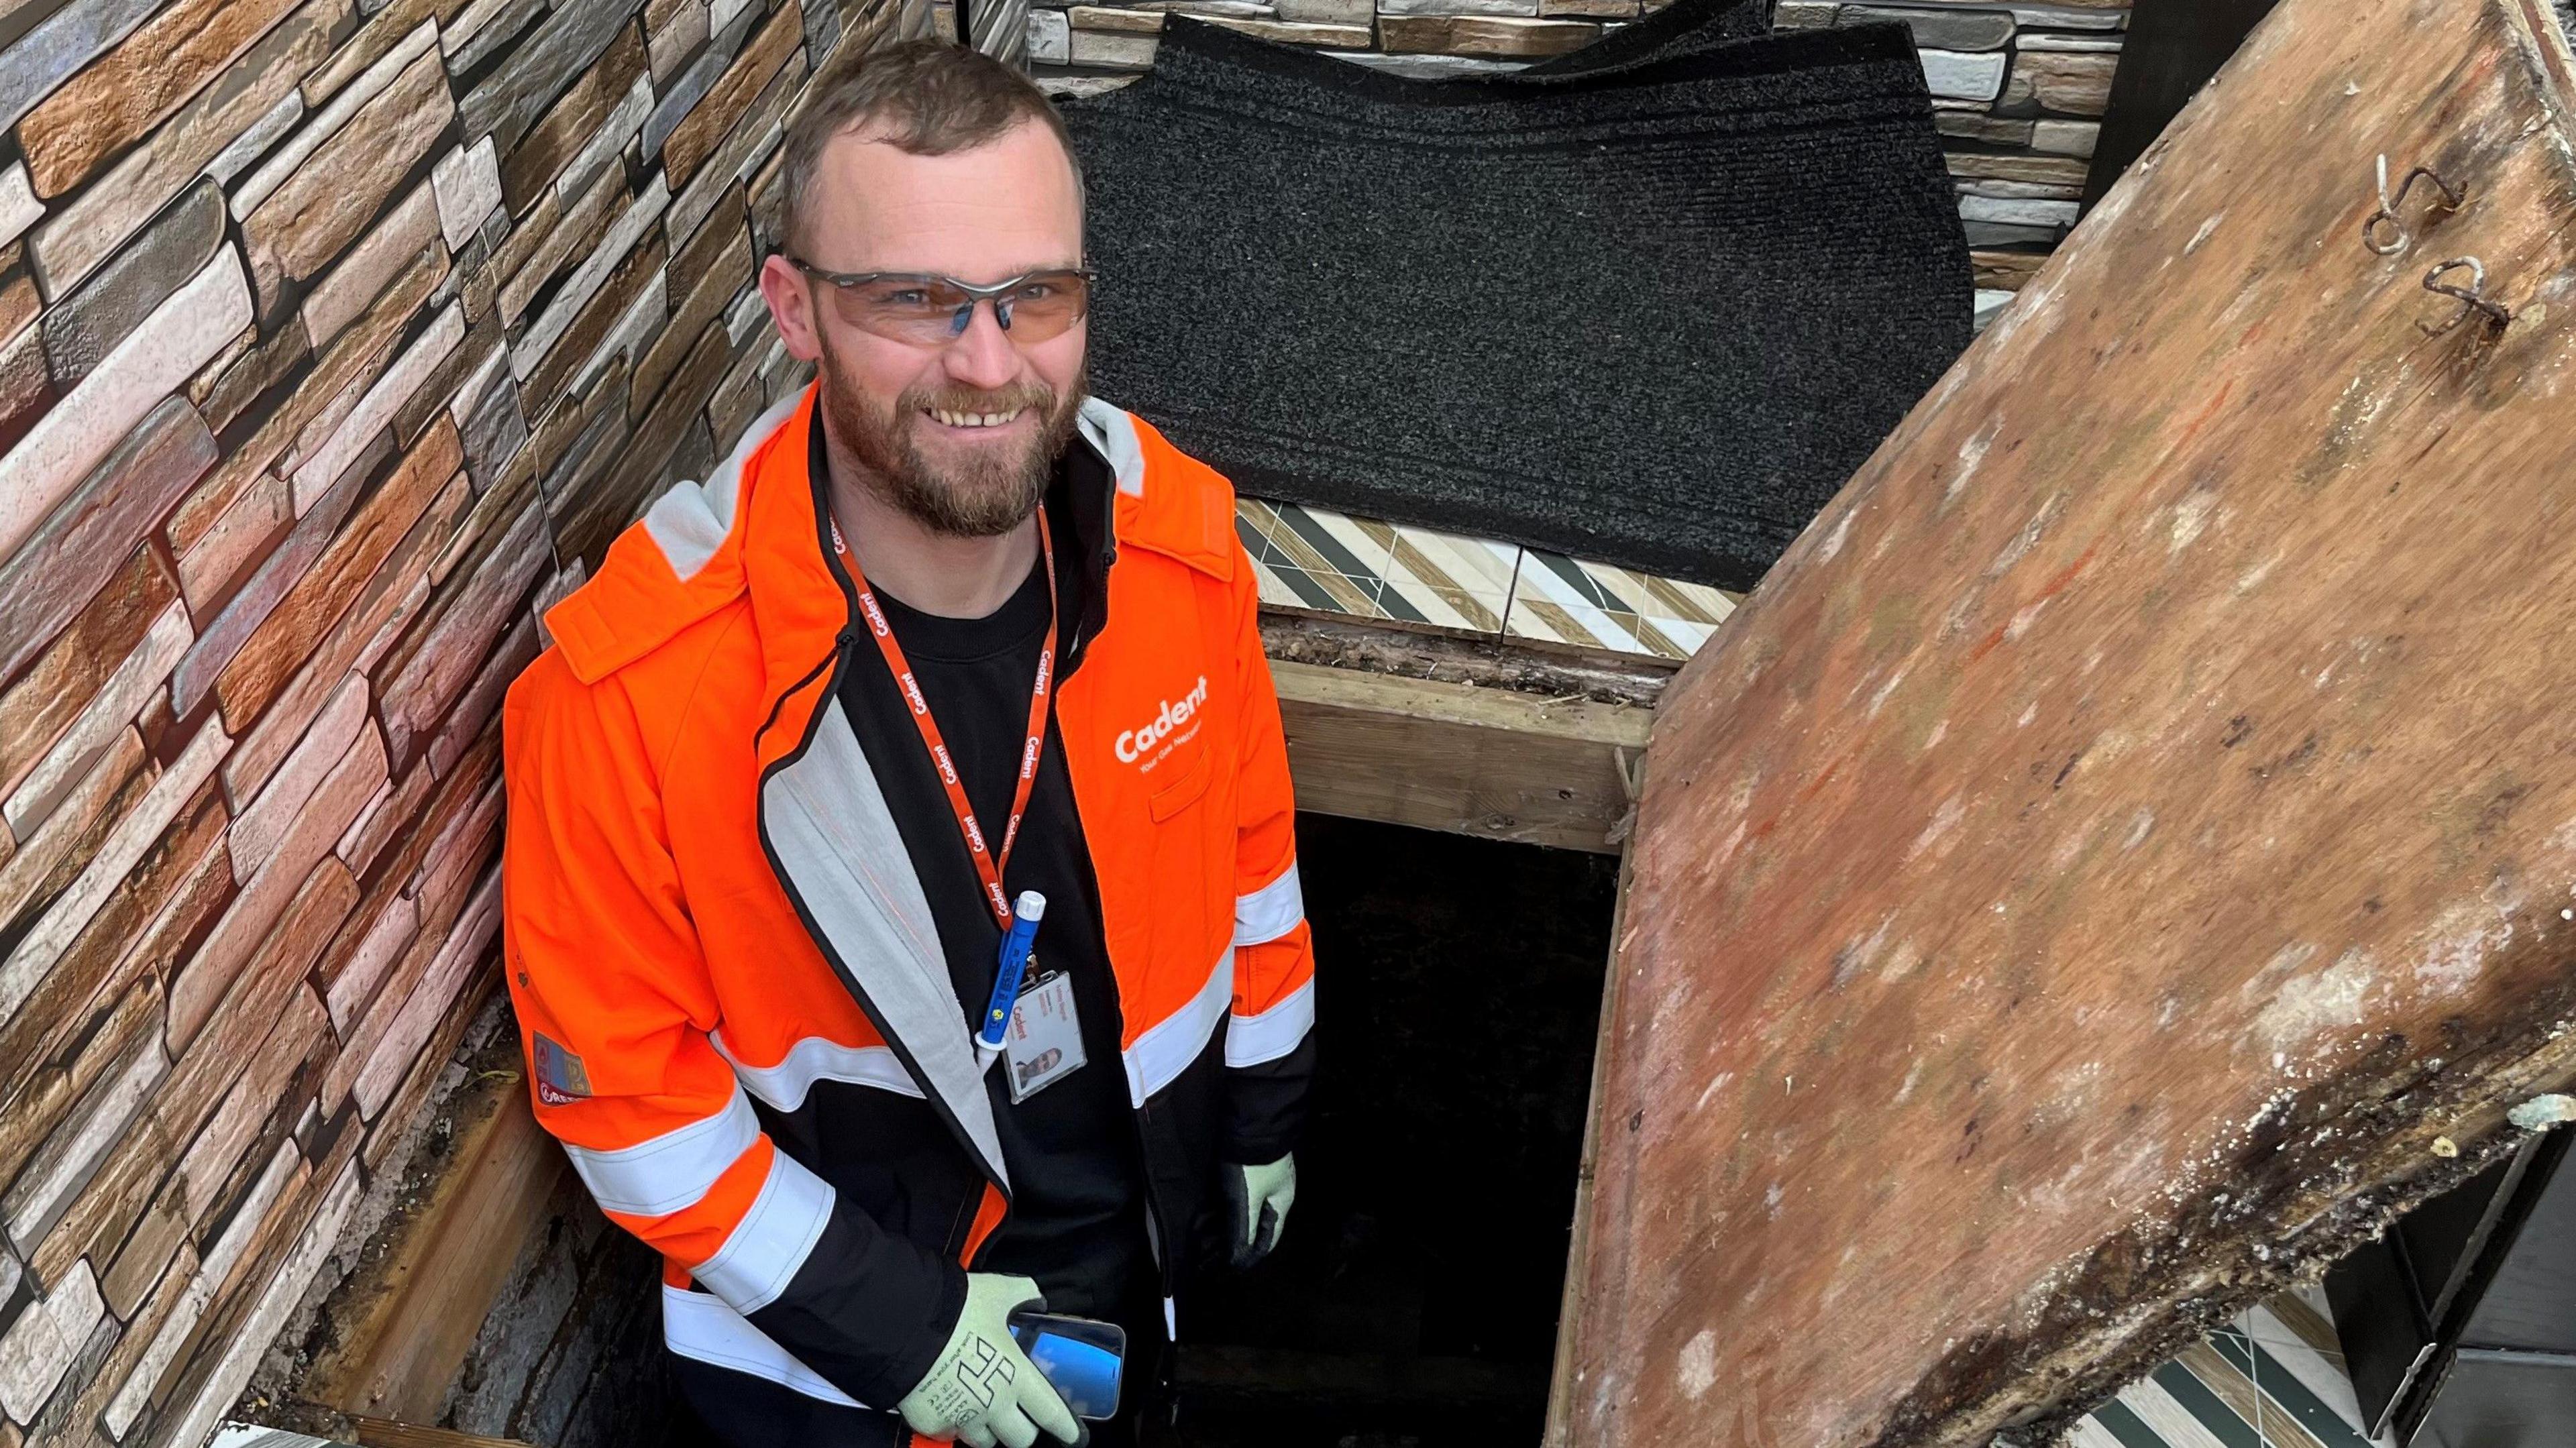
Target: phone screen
x=1083 y=1359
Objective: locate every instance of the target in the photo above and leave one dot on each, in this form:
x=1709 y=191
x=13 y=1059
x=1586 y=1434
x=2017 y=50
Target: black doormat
x=1652 y=314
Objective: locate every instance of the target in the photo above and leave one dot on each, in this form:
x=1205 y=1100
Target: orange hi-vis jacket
x=737 y=1015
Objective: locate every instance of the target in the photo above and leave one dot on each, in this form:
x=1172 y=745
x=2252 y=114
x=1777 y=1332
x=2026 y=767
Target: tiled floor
x=1315 y=558
x=2274 y=1378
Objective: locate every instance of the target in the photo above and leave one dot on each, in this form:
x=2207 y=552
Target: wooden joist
x=1492 y=762
x=405 y=1320
x=1506 y=742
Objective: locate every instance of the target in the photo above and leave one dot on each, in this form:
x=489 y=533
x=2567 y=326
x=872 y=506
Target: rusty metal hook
x=2472 y=297
x=2386 y=215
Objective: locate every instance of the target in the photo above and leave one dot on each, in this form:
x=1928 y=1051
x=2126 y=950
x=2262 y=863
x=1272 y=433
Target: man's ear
x=791 y=306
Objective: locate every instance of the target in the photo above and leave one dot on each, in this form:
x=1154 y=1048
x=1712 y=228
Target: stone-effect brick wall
x=336 y=337
x=2018 y=89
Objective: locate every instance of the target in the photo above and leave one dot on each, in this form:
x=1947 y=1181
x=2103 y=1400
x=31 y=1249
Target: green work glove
x=1259 y=1197
x=983 y=1390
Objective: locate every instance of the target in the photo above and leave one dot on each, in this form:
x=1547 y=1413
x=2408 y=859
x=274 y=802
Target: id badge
x=1044 y=1043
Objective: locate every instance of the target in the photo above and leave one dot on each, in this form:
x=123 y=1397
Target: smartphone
x=1082 y=1359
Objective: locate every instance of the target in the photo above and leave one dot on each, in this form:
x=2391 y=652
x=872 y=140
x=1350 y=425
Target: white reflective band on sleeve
x=672 y=1170
x=1251 y=1040
x=1171 y=1044
x=783 y=1087
x=770 y=1242
x=1271 y=911
x=699 y=1326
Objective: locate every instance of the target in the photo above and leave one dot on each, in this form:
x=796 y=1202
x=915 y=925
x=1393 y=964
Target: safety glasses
x=932 y=311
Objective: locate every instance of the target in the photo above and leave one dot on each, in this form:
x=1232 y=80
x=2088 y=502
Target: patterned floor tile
x=1614 y=608
x=1453 y=580
x=2157 y=1420
x=2272 y=1379
x=1313 y=577
x=1316 y=558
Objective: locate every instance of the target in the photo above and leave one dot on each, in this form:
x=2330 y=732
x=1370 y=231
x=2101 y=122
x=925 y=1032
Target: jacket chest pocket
x=1192 y=866
x=1168 y=797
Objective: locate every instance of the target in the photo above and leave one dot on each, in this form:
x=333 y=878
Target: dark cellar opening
x=1413 y=1301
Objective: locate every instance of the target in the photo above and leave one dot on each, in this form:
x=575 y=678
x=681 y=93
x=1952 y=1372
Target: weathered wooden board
x=2137 y=821
x=1493 y=762
x=403 y=1324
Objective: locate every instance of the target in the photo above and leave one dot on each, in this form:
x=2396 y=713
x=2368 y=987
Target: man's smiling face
x=963 y=435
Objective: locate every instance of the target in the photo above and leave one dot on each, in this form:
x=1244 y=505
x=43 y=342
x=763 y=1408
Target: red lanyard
x=988 y=865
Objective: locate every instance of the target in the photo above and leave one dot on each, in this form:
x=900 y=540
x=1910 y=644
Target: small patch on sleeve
x=561 y=1078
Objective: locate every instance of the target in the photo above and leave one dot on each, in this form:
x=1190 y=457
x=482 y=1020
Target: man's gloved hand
x=983 y=1390
x=1259 y=1197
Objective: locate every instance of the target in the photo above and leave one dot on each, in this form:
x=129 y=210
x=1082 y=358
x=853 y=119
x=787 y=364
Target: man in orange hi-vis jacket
x=943 y=630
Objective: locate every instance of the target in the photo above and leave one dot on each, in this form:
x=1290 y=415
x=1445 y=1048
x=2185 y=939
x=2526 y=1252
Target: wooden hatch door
x=2131 y=836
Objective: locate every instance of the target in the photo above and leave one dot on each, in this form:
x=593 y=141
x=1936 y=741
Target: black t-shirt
x=1077 y=1213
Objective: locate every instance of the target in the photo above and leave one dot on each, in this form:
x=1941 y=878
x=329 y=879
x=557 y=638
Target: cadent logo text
x=1133 y=743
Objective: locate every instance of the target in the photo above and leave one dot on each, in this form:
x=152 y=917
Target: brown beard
x=977 y=499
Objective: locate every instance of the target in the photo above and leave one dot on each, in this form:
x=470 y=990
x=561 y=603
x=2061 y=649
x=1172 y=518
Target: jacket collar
x=1166 y=502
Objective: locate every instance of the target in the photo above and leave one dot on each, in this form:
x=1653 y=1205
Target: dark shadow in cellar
x=1414 y=1300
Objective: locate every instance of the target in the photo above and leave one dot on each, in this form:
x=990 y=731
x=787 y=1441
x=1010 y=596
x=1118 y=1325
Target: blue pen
x=1013 y=965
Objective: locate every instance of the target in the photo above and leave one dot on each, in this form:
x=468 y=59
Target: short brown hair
x=925 y=97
